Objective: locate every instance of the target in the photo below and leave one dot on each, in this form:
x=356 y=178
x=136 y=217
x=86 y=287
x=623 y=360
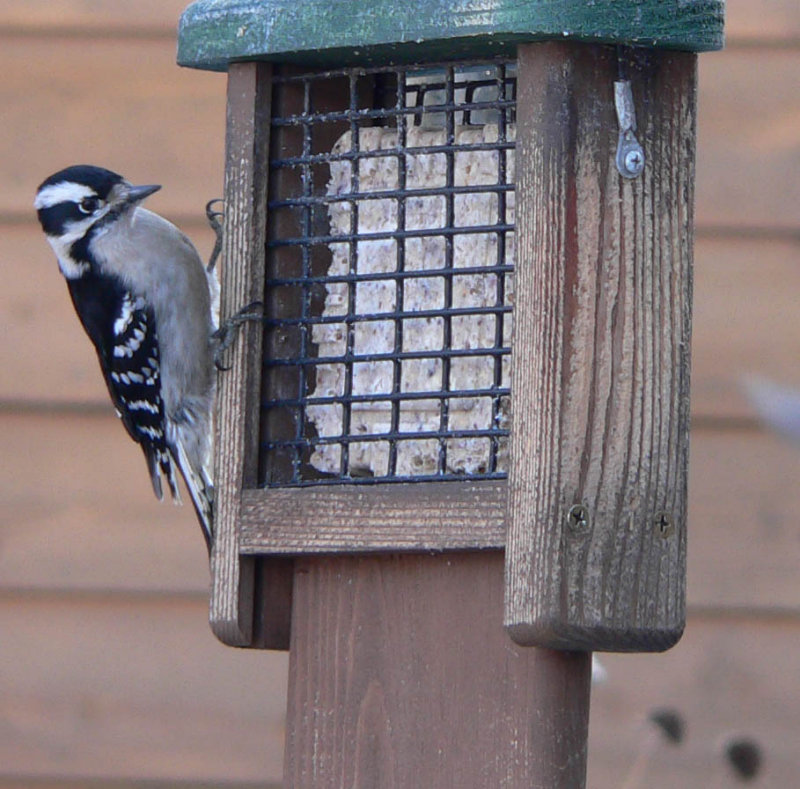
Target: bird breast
x=153 y=259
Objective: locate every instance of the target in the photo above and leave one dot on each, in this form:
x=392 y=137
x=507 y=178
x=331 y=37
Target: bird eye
x=89 y=205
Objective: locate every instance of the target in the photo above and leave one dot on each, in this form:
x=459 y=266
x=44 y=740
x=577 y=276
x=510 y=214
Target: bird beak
x=135 y=194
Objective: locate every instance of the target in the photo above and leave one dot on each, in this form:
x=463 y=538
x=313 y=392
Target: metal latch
x=630 y=156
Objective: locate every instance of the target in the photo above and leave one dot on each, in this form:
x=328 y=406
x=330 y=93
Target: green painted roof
x=213 y=33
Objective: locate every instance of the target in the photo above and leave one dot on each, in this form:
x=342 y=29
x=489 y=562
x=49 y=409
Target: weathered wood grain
x=401 y=675
x=600 y=355
x=133 y=688
x=366 y=518
x=236 y=419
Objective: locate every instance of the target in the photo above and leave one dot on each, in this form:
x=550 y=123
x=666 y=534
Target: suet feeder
x=470 y=225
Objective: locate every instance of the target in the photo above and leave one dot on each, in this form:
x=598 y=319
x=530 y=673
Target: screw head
x=634 y=161
x=578 y=518
x=664 y=524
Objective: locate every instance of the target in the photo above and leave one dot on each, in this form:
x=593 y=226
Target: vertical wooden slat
x=248 y=115
x=401 y=675
x=600 y=358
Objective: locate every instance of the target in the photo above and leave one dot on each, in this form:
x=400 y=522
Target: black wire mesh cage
x=389 y=283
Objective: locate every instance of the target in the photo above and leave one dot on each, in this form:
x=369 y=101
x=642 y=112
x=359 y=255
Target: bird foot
x=225 y=335
x=215 y=221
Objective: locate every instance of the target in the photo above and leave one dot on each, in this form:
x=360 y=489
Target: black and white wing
x=124 y=334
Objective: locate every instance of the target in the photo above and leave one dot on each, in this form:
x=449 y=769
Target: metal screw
x=634 y=161
x=664 y=524
x=578 y=518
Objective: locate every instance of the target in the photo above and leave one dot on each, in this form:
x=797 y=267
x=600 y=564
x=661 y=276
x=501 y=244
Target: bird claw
x=226 y=333
x=215 y=221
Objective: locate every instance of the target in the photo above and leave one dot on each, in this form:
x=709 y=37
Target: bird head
x=79 y=201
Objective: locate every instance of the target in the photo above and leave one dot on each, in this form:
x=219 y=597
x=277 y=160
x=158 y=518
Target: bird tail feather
x=201 y=490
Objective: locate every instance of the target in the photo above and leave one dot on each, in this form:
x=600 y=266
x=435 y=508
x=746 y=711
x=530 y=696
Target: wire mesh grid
x=389 y=275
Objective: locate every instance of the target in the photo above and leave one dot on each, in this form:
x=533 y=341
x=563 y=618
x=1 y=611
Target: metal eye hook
x=630 y=155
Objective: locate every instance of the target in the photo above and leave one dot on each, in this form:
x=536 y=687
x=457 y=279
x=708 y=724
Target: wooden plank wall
x=109 y=675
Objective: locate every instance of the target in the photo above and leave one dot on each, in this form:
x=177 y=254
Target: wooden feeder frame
x=593 y=515
x=347 y=519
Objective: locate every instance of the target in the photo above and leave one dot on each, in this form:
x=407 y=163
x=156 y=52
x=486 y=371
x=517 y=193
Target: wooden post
x=600 y=356
x=401 y=675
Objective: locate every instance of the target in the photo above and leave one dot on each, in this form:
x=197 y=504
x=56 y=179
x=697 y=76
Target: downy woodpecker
x=147 y=303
